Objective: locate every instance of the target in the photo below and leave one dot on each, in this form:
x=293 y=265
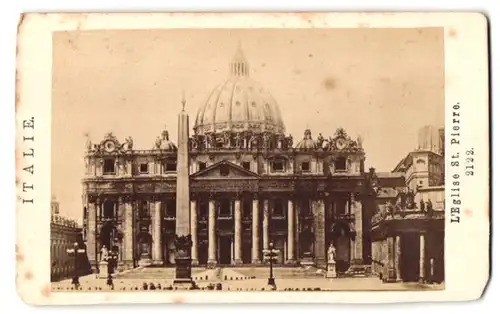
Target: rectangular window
x=278 y=165
x=170 y=165
x=202 y=166
x=246 y=165
x=278 y=208
x=109 y=166
x=143 y=168
x=225 y=208
x=306 y=166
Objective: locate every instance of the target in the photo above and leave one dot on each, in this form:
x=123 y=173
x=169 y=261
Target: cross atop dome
x=239 y=64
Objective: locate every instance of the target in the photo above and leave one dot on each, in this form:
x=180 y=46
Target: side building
x=64 y=233
x=408 y=230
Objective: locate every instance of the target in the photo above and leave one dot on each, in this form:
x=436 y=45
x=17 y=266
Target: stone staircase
x=279 y=272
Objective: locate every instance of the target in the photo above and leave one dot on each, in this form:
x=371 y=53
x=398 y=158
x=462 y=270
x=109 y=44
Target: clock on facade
x=340 y=143
x=109 y=146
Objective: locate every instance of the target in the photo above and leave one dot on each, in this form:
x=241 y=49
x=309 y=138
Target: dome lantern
x=239 y=64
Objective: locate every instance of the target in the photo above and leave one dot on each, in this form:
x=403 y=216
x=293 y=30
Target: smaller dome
x=307 y=143
x=164 y=142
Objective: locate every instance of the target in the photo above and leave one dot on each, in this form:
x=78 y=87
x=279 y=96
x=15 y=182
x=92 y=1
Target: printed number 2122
x=469 y=162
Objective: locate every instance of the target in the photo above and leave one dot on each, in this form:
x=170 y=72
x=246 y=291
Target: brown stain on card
x=45 y=290
x=452 y=33
x=19 y=255
x=28 y=275
x=178 y=300
x=329 y=83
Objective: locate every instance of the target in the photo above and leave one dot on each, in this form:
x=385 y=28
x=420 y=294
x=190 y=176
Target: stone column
x=212 y=259
x=358 y=225
x=291 y=235
x=422 y=258
x=237 y=232
x=91 y=241
x=390 y=255
x=255 y=231
x=319 y=231
x=265 y=226
x=129 y=232
x=397 y=257
x=157 y=254
x=194 y=232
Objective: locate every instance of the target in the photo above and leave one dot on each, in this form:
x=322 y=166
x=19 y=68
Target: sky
x=380 y=84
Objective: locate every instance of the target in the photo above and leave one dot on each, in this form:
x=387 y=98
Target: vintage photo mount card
x=252 y=157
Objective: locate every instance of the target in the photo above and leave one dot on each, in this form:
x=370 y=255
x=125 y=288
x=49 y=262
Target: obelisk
x=183 y=241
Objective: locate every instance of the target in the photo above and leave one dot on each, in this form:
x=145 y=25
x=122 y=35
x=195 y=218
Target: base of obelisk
x=330 y=270
x=183 y=279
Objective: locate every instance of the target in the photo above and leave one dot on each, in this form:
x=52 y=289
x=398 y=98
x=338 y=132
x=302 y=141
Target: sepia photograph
x=212 y=159
x=248 y=159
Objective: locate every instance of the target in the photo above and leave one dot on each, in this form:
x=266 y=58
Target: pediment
x=225 y=169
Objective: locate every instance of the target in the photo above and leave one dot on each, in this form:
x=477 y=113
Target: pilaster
x=129 y=229
x=319 y=231
x=91 y=232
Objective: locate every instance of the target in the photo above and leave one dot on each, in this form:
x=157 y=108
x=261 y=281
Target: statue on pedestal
x=331 y=254
x=239 y=141
x=266 y=140
x=320 y=140
x=253 y=141
x=104 y=254
x=331 y=268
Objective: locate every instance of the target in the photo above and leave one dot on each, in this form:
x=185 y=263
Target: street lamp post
x=112 y=262
x=74 y=252
x=271 y=254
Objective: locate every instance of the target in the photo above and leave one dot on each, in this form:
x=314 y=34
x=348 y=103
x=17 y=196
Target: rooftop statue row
x=63 y=221
x=405 y=204
x=247 y=140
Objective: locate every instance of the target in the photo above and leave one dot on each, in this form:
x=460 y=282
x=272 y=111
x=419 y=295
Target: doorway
x=225 y=250
x=246 y=252
x=410 y=257
x=202 y=252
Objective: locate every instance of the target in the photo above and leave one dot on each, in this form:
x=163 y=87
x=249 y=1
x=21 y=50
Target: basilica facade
x=250 y=185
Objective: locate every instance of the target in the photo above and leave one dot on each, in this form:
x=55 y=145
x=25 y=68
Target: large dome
x=239 y=104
